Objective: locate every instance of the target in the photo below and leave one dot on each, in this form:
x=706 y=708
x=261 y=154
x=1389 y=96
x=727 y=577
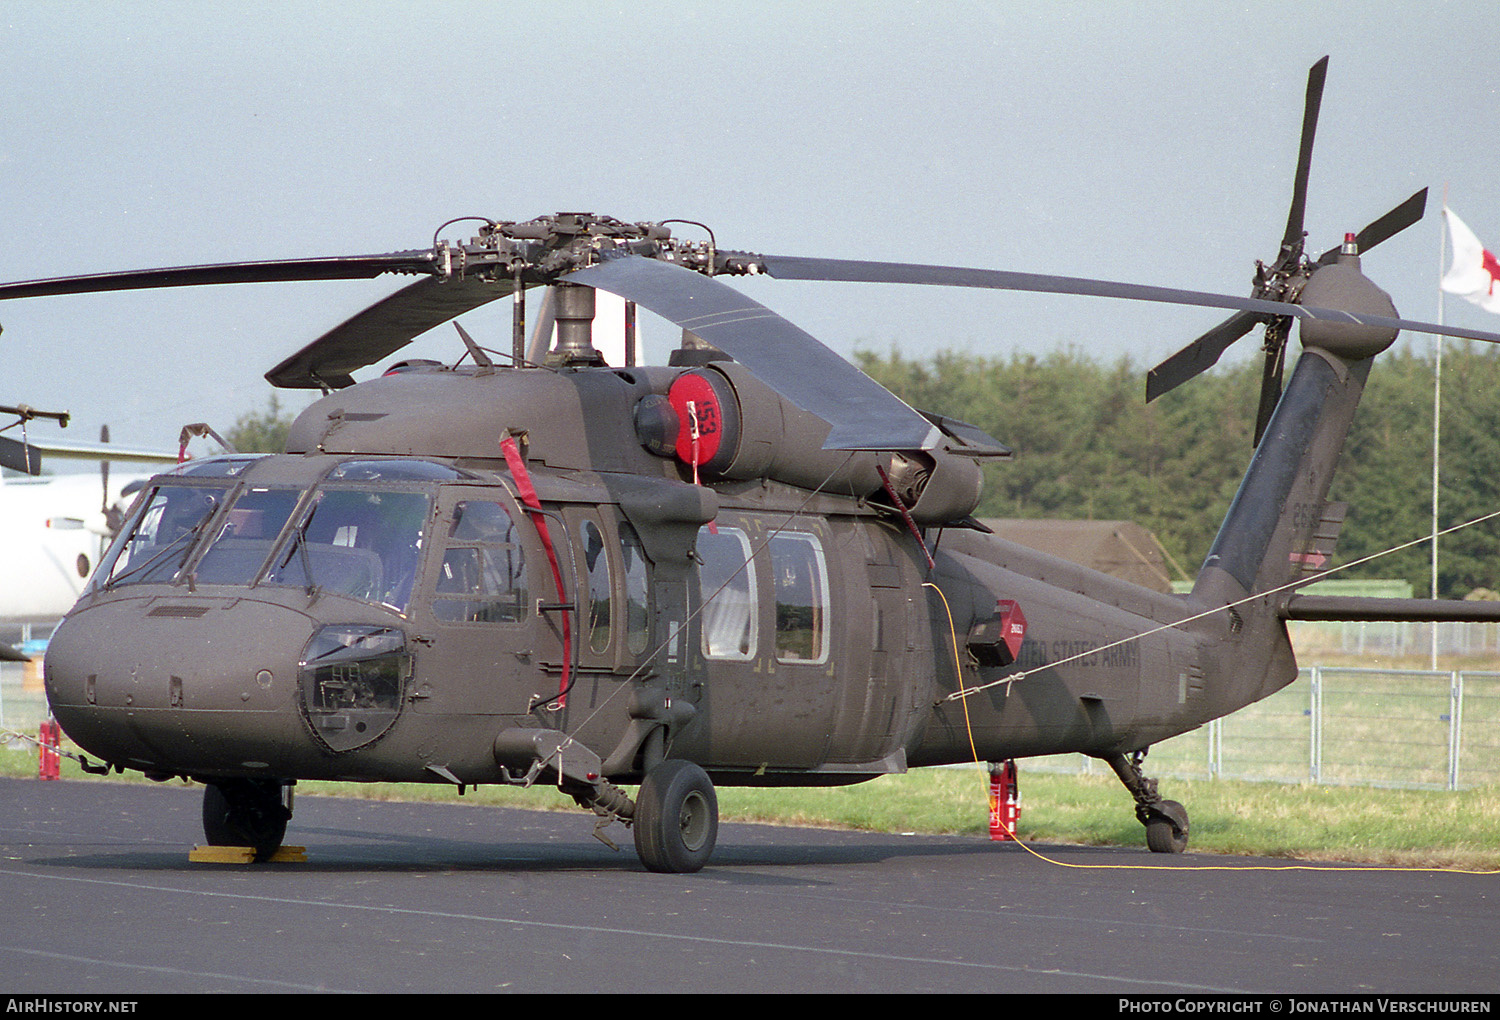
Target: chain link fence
x=1396 y=640
x=23 y=703
x=1344 y=726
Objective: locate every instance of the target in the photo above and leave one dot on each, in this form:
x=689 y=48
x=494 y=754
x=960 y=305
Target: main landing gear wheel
x=676 y=818
x=246 y=812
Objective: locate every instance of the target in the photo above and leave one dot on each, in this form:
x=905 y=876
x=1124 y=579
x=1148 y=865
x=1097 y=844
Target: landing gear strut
x=1166 y=821
x=247 y=812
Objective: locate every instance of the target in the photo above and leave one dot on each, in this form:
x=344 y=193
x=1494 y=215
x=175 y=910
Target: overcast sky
x=1149 y=142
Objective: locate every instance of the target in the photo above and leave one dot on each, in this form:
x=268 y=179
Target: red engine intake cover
x=716 y=413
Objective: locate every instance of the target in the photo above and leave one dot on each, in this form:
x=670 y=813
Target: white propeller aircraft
x=53 y=528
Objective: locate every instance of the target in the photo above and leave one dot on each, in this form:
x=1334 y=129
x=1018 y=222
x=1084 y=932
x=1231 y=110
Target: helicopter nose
x=181 y=686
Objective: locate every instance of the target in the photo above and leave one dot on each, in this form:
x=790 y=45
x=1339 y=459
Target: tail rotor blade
x=104 y=469
x=1316 y=76
x=1200 y=355
x=1270 y=387
x=1387 y=226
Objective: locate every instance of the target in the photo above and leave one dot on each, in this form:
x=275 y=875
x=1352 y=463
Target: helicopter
x=750 y=566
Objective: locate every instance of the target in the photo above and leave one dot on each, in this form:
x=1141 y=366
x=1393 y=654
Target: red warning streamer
x=517 y=465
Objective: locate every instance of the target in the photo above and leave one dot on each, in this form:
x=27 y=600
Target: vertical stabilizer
x=1278 y=525
x=1276 y=521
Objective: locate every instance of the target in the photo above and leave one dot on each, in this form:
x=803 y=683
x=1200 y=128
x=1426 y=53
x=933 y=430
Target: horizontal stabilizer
x=19 y=457
x=1354 y=608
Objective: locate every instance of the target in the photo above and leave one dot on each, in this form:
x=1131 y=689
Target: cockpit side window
x=482 y=578
x=600 y=616
x=637 y=596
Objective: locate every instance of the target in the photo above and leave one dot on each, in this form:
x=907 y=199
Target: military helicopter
x=750 y=566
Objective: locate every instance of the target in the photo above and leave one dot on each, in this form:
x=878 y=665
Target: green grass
x=1416 y=828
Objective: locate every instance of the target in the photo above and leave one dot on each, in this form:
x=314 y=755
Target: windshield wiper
x=188 y=535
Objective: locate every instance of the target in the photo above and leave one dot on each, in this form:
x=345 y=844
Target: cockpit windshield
x=356 y=540
x=245 y=536
x=161 y=536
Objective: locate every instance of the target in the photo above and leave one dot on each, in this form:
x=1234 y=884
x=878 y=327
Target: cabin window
x=156 y=544
x=245 y=536
x=596 y=562
x=482 y=578
x=356 y=542
x=637 y=608
x=800 y=582
x=726 y=585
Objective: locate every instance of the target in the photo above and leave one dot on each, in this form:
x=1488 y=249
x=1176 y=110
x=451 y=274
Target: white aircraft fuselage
x=51 y=534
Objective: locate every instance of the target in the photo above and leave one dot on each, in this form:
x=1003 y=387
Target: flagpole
x=1437 y=414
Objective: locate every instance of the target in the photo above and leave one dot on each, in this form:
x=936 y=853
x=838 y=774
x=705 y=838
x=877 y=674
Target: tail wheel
x=1167 y=829
x=246 y=812
x=676 y=818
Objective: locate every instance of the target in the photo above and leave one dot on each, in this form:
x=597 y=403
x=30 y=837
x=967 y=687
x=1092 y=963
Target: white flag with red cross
x=1475 y=271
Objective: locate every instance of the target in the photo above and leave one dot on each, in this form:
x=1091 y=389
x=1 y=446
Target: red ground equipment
x=1005 y=800
x=48 y=740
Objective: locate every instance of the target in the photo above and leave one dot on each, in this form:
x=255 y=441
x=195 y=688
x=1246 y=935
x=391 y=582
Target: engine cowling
x=728 y=424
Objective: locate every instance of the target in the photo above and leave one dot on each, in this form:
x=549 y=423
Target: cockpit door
x=477 y=615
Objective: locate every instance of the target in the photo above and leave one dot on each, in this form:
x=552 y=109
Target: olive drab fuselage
x=355 y=609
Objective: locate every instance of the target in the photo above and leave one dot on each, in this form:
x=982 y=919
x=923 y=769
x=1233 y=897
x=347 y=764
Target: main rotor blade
x=1200 y=355
x=384 y=328
x=787 y=267
x=864 y=414
x=793 y=267
x=1316 y=76
x=1389 y=225
x=339 y=267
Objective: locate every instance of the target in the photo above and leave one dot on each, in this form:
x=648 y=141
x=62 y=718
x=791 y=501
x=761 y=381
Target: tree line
x=1088 y=446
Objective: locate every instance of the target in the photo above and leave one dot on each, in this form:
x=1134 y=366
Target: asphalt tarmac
x=98 y=897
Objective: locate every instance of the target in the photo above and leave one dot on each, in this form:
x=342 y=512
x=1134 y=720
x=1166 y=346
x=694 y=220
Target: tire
x=245 y=812
x=1163 y=835
x=676 y=818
